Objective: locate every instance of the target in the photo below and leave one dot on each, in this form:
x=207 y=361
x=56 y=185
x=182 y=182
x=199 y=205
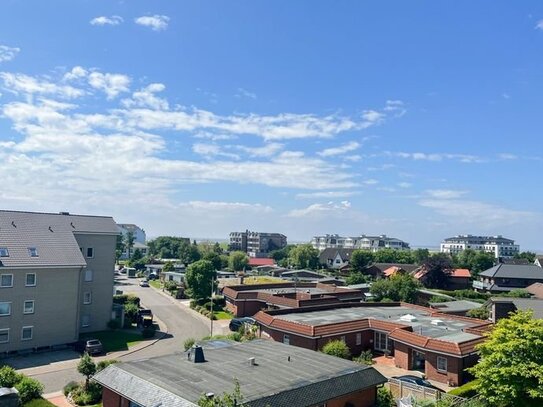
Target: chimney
x=198 y=354
x=252 y=362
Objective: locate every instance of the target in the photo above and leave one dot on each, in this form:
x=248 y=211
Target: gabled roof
x=460 y=273
x=53 y=235
x=283 y=376
x=332 y=253
x=536 y=289
x=407 y=267
x=524 y=304
x=260 y=261
x=525 y=271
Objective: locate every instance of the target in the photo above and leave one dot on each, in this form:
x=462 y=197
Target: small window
x=6 y=280
x=33 y=251
x=286 y=339
x=5 y=309
x=30 y=280
x=29 y=307
x=4 y=252
x=85 y=321
x=359 y=339
x=90 y=252
x=87 y=298
x=26 y=333
x=441 y=364
x=4 y=335
x=88 y=275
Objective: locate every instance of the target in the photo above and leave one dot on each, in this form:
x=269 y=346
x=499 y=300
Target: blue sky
x=418 y=120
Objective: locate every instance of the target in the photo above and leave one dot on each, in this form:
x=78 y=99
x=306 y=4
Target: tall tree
x=188 y=253
x=304 y=256
x=399 y=287
x=129 y=240
x=360 y=259
x=119 y=247
x=199 y=278
x=420 y=256
x=386 y=256
x=166 y=247
x=238 y=261
x=510 y=370
x=86 y=367
x=214 y=258
x=529 y=256
x=438 y=268
x=475 y=261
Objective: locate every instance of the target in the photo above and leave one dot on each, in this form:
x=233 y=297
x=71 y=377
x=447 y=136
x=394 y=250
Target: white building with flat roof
x=371 y=243
x=499 y=246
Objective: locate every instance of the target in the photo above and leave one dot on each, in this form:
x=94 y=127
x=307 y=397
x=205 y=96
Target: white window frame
x=9 y=303
x=441 y=359
x=89 y=275
x=31 y=327
x=376 y=342
x=4 y=250
x=6 y=330
x=6 y=286
x=87 y=252
x=286 y=339
x=359 y=338
x=83 y=325
x=35 y=280
x=24 y=307
x=87 y=301
x=32 y=250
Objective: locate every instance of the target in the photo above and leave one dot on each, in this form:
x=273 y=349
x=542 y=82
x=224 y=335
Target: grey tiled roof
x=524 y=304
x=309 y=378
x=530 y=271
x=53 y=235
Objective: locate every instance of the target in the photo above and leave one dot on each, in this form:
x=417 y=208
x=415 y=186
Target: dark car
x=93 y=347
x=152 y=276
x=236 y=323
x=145 y=317
x=416 y=380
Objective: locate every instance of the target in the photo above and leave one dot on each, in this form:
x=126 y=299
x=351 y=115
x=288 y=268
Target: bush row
x=28 y=388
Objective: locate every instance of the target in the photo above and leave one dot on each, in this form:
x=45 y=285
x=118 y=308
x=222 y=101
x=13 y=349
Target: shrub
x=438 y=298
x=366 y=358
x=9 y=377
x=105 y=363
x=235 y=336
x=29 y=389
x=83 y=397
x=131 y=312
x=148 y=332
x=71 y=386
x=133 y=299
x=193 y=303
x=480 y=313
x=188 y=343
x=467 y=390
x=337 y=348
x=385 y=398
x=114 y=324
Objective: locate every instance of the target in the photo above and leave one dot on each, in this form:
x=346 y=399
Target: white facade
x=371 y=243
x=499 y=246
x=139 y=233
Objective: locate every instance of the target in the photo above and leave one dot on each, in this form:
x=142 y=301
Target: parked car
x=152 y=276
x=93 y=347
x=145 y=317
x=144 y=283
x=419 y=381
x=236 y=323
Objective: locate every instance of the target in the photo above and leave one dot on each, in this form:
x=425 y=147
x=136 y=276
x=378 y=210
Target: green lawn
x=155 y=284
x=38 y=403
x=223 y=315
x=115 y=340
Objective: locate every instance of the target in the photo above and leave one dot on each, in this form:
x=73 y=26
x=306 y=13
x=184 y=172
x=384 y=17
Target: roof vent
x=252 y=362
x=408 y=318
x=437 y=322
x=198 y=354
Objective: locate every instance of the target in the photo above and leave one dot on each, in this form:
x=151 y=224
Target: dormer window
x=4 y=252
x=33 y=252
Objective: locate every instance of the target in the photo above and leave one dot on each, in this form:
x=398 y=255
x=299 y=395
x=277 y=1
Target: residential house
x=457 y=279
x=56 y=277
x=268 y=373
x=302 y=275
x=260 y=261
x=499 y=246
x=257 y=244
x=440 y=345
x=335 y=258
x=139 y=239
x=247 y=300
x=378 y=269
x=501 y=307
x=507 y=277
x=371 y=243
x=536 y=290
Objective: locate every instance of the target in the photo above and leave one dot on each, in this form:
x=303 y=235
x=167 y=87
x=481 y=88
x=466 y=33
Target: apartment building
x=499 y=246
x=508 y=277
x=371 y=243
x=257 y=244
x=139 y=239
x=56 y=277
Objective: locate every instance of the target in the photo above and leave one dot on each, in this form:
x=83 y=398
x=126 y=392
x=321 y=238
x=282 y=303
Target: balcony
x=480 y=285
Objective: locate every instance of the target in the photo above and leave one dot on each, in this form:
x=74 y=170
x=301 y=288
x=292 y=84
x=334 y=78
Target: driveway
x=55 y=369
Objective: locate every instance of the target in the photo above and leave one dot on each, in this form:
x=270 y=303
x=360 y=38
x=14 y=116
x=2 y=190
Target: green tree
x=129 y=240
x=131 y=312
x=510 y=370
x=198 y=278
x=9 y=377
x=405 y=257
x=438 y=268
x=529 y=256
x=119 y=247
x=281 y=254
x=399 y=287
x=86 y=367
x=234 y=399
x=168 y=266
x=385 y=398
x=420 y=256
x=357 y=278
x=214 y=258
x=360 y=259
x=475 y=261
x=29 y=389
x=386 y=256
x=188 y=253
x=166 y=247
x=238 y=261
x=304 y=256
x=137 y=255
x=337 y=348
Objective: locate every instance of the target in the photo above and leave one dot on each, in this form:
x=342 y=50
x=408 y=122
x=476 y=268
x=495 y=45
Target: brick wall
x=362 y=398
x=295 y=340
x=245 y=308
x=111 y=399
x=402 y=356
x=452 y=376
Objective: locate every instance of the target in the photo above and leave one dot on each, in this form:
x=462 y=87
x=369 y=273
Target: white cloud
x=507 y=156
x=222 y=207
x=445 y=193
x=104 y=20
x=146 y=98
x=8 y=53
x=372 y=116
x=245 y=93
x=539 y=25
x=77 y=72
x=327 y=194
x=212 y=150
x=20 y=83
x=318 y=209
x=267 y=150
x=464 y=158
x=156 y=22
x=110 y=83
x=370 y=182
x=345 y=148
x=405 y=185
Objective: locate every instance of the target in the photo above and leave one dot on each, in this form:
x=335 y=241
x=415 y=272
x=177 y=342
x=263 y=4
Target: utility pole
x=211 y=315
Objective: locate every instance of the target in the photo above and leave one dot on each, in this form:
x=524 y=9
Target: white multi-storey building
x=499 y=246
x=371 y=243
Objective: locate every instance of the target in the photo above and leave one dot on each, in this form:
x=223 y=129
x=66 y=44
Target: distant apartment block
x=371 y=243
x=499 y=246
x=139 y=239
x=257 y=244
x=56 y=278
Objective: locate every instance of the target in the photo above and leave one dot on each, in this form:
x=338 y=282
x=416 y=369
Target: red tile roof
x=461 y=273
x=260 y=261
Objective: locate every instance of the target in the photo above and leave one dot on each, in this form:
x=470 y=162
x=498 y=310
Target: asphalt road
x=182 y=324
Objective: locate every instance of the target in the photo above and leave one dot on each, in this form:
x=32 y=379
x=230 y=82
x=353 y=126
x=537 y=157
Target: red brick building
x=247 y=300
x=418 y=338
